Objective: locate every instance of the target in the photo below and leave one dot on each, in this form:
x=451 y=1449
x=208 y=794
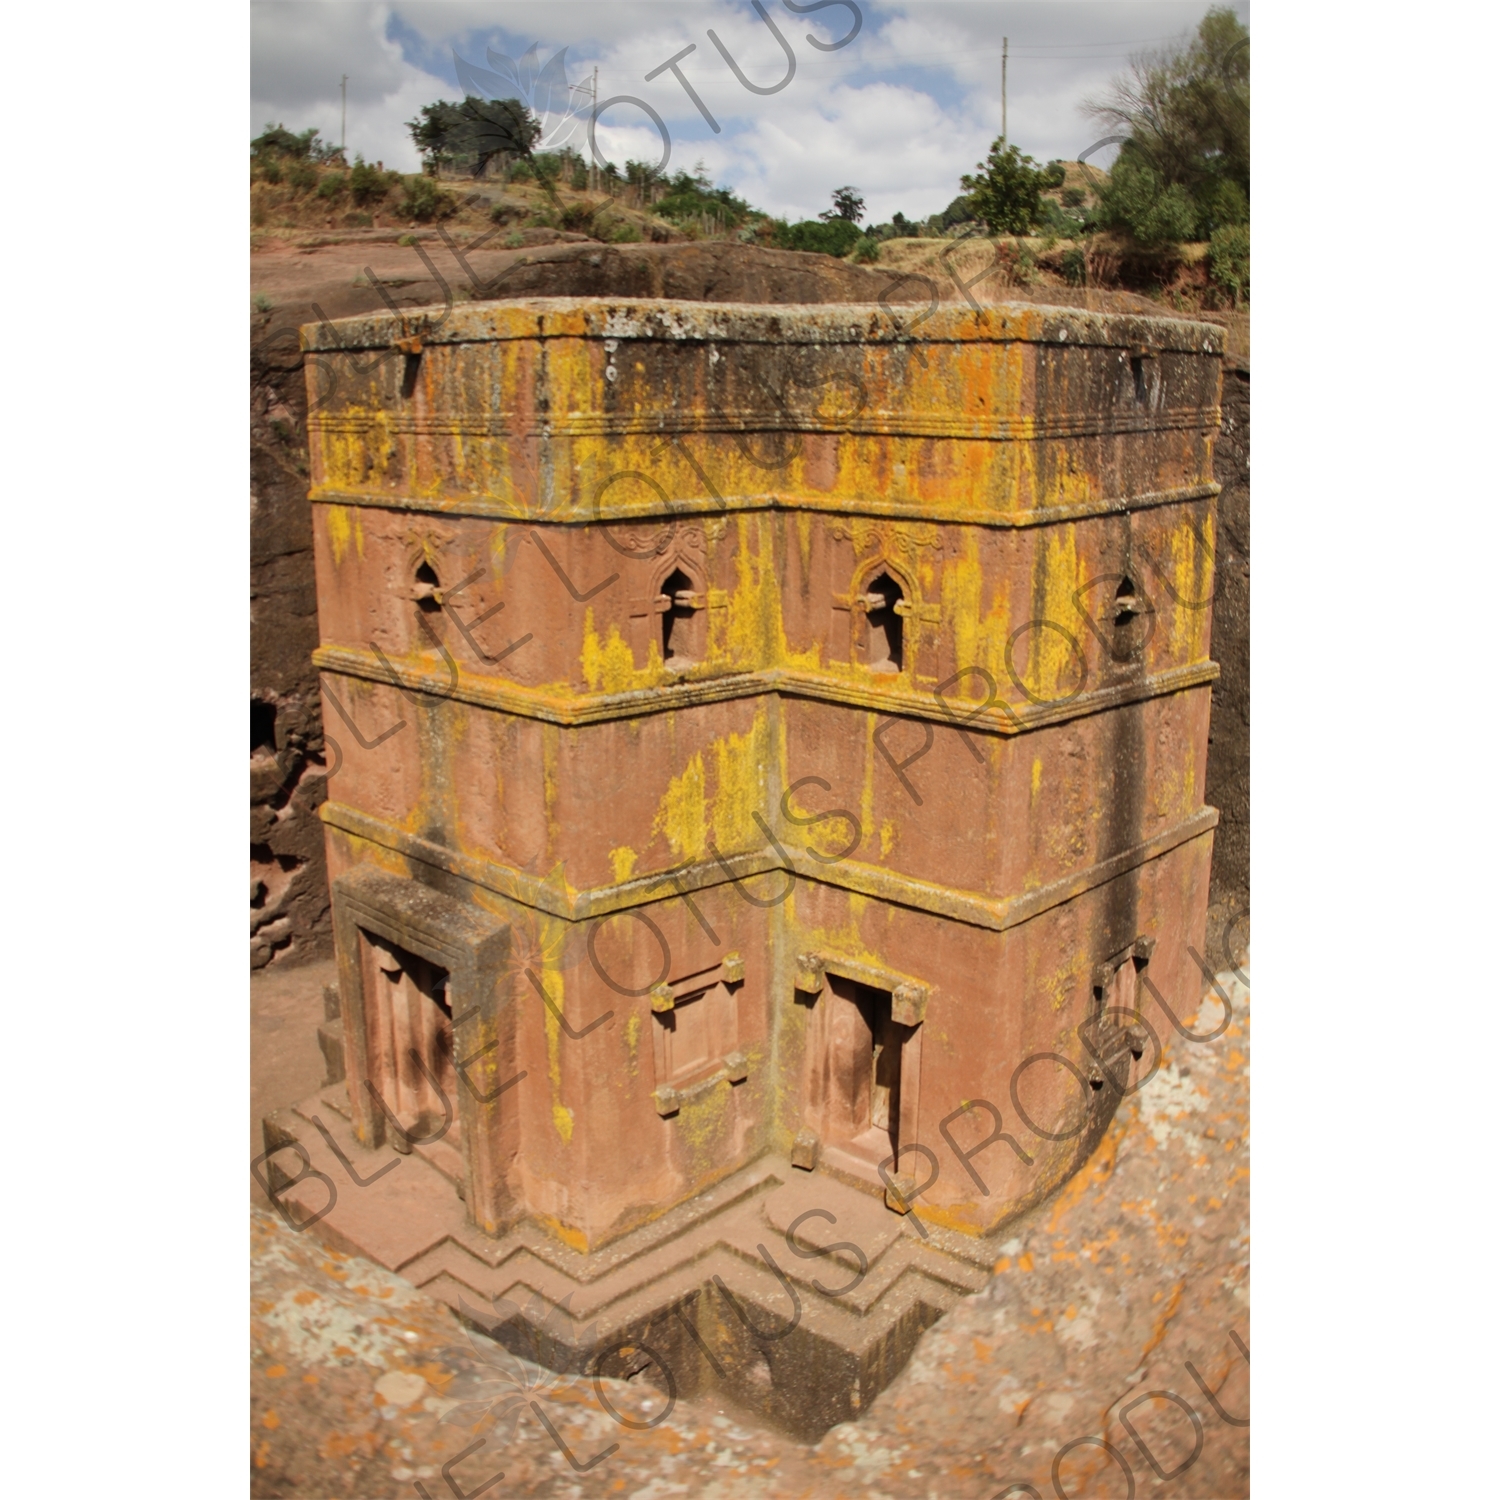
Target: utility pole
x=592 y=90
x=1004 y=63
x=343 y=110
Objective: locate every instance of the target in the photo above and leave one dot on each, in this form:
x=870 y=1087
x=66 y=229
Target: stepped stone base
x=793 y=1293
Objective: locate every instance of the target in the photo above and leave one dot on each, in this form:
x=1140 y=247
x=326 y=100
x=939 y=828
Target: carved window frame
x=720 y=986
x=920 y=620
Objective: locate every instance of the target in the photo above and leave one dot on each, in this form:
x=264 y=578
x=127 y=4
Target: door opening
x=411 y=1014
x=865 y=1057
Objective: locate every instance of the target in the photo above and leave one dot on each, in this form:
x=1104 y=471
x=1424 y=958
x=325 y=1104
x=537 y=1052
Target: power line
x=1054 y=52
x=1140 y=41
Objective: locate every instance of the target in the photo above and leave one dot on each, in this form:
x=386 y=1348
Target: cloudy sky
x=900 y=111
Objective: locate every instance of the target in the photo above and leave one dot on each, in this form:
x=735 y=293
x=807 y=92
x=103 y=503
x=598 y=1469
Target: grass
x=1084 y=275
x=305 y=196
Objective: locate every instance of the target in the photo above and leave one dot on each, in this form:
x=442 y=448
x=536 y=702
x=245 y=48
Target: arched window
x=427 y=589
x=883 y=643
x=1130 y=625
x=681 y=607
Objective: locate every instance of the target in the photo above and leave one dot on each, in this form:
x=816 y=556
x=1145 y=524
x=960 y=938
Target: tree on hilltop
x=276 y=142
x=1005 y=190
x=1184 y=168
x=847 y=204
x=471 y=134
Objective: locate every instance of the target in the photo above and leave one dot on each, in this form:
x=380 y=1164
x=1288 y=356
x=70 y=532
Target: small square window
x=695 y=1035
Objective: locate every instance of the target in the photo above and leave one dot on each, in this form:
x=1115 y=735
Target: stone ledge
x=702 y=1263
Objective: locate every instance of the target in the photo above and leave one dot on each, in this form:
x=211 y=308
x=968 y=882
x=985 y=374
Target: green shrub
x=579 y=217
x=302 y=177
x=834 y=237
x=262 y=303
x=1221 y=206
x=1054 y=174
x=1075 y=267
x=424 y=200
x=407 y=239
x=277 y=140
x=1137 y=198
x=331 y=186
x=693 y=199
x=1184 y=171
x=513 y=240
x=1006 y=191
x=521 y=171
x=961 y=211
x=366 y=185
x=623 y=233
x=270 y=170
x=1074 y=197
x=1229 y=259
x=867 y=250
x=1057 y=221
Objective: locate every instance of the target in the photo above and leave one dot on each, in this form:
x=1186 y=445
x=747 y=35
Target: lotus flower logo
x=543 y=943
x=509 y=1384
x=542 y=87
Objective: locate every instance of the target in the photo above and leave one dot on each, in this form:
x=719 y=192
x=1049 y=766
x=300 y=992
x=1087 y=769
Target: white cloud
x=298 y=52
x=894 y=143
x=901 y=113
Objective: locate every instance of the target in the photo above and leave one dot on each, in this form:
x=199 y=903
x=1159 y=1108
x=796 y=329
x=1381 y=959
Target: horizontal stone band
x=567 y=512
x=974 y=908
x=912 y=424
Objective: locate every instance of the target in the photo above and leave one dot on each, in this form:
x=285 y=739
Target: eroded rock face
x=289 y=906
x=1229 y=740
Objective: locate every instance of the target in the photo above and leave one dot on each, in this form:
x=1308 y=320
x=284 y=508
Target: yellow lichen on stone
x=338 y=531
x=687 y=815
x=1191 y=566
x=739 y=759
x=1052 y=660
x=963 y=599
x=701 y=1124
x=682 y=813
x=754 y=635
x=609 y=663
x=552 y=1026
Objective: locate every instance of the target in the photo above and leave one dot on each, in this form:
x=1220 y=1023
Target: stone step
x=694 y=1285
